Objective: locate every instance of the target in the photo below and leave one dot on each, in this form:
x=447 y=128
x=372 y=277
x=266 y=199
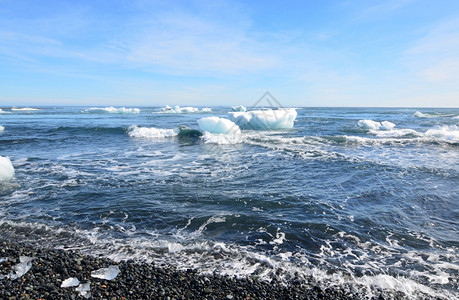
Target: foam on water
x=282 y=118
x=222 y=138
x=24 y=109
x=152 y=133
x=112 y=110
x=6 y=169
x=449 y=133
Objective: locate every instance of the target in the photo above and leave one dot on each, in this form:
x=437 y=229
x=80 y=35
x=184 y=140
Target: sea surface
x=335 y=201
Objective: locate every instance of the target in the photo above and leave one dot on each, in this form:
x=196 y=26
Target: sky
x=388 y=53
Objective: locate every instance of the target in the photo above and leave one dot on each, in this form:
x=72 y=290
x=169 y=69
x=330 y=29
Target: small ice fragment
x=84 y=289
x=21 y=268
x=2 y=259
x=69 y=282
x=106 y=273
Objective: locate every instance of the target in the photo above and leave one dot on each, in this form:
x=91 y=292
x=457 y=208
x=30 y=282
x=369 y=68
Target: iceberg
x=373 y=125
x=24 y=265
x=70 y=282
x=106 y=273
x=282 y=118
x=218 y=125
x=238 y=108
x=113 y=110
x=184 y=110
x=6 y=169
x=152 y=133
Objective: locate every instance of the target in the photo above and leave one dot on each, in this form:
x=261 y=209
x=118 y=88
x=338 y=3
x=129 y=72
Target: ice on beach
x=373 y=125
x=239 y=108
x=184 y=110
x=24 y=265
x=84 y=289
x=113 y=110
x=106 y=273
x=70 y=282
x=6 y=169
x=152 y=133
x=218 y=126
x=270 y=119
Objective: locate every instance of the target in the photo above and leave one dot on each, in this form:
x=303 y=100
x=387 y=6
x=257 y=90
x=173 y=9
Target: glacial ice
x=24 y=265
x=153 y=133
x=373 y=125
x=282 y=118
x=239 y=108
x=6 y=169
x=70 y=282
x=184 y=110
x=113 y=110
x=106 y=273
x=218 y=126
x=84 y=289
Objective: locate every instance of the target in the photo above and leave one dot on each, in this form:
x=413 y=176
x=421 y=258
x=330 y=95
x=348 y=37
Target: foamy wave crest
x=184 y=110
x=112 y=110
x=222 y=139
x=6 y=169
x=282 y=118
x=152 y=133
x=448 y=133
x=373 y=125
x=24 y=109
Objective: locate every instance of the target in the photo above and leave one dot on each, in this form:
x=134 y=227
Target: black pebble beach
x=135 y=280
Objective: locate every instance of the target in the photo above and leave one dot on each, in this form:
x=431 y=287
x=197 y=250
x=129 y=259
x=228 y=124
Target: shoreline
x=136 y=280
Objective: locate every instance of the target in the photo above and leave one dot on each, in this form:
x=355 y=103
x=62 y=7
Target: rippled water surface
x=333 y=200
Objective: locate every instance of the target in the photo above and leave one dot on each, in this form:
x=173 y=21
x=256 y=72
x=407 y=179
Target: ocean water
x=362 y=205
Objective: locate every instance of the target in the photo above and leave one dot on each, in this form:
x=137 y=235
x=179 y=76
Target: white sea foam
x=373 y=125
x=152 y=133
x=239 y=108
x=282 y=118
x=449 y=133
x=222 y=138
x=184 y=110
x=112 y=110
x=2 y=128
x=419 y=114
x=6 y=169
x=218 y=126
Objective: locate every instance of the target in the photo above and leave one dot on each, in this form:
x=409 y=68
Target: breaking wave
x=112 y=110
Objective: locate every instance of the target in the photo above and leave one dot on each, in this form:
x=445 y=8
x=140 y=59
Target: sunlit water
x=331 y=201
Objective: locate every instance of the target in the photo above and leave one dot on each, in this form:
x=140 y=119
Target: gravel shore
x=49 y=268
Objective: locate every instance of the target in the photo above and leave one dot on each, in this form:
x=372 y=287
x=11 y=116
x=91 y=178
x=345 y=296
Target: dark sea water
x=330 y=200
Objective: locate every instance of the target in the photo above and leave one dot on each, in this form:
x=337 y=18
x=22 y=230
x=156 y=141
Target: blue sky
x=305 y=53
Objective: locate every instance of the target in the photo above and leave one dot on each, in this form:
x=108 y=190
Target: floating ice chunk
x=2 y=128
x=2 y=259
x=24 y=265
x=239 y=108
x=24 y=109
x=106 y=273
x=282 y=118
x=218 y=125
x=373 y=125
x=419 y=114
x=6 y=169
x=449 y=133
x=206 y=109
x=113 y=110
x=84 y=289
x=70 y=282
x=184 y=110
x=153 y=133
